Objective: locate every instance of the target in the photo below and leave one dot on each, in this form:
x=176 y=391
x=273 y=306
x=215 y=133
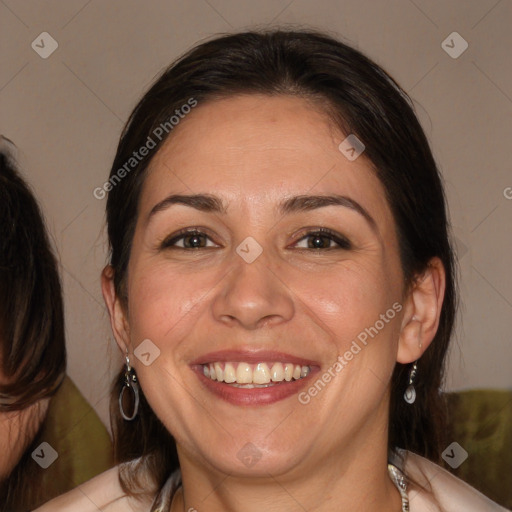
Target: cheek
x=358 y=307
x=161 y=298
x=344 y=299
x=349 y=299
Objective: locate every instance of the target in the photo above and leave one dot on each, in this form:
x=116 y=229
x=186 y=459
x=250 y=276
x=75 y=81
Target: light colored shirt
x=437 y=490
x=430 y=489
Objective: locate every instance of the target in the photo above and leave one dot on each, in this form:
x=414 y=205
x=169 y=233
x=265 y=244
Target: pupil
x=194 y=241
x=317 y=242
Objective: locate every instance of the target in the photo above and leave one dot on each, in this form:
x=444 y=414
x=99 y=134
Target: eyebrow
x=212 y=204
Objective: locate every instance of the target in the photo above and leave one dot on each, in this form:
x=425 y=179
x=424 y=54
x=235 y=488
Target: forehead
x=254 y=149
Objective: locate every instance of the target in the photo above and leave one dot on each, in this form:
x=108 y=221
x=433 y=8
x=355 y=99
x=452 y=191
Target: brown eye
x=191 y=239
x=322 y=239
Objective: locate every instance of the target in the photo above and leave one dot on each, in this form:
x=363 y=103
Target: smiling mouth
x=258 y=375
x=247 y=376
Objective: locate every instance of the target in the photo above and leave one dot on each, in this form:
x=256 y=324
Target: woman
x=283 y=288
x=32 y=346
x=51 y=439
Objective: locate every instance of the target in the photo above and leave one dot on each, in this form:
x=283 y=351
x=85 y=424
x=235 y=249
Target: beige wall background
x=66 y=111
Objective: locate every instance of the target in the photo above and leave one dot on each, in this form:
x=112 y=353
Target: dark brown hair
x=361 y=99
x=32 y=345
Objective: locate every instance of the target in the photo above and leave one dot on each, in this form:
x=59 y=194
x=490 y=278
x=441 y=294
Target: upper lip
x=252 y=356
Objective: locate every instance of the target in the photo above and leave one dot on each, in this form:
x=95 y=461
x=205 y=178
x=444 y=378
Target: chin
x=244 y=458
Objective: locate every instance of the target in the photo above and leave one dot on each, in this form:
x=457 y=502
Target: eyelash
x=343 y=243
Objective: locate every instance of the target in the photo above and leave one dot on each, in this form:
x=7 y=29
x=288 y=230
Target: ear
x=118 y=320
x=422 y=312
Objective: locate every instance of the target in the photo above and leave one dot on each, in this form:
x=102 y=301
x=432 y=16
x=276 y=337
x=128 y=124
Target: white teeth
x=229 y=373
x=277 y=372
x=251 y=386
x=257 y=375
x=244 y=374
x=219 y=372
x=261 y=374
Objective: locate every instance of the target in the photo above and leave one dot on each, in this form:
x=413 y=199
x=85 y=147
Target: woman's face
x=264 y=287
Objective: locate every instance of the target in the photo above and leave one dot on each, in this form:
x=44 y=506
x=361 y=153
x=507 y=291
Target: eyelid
x=342 y=241
x=170 y=241
x=339 y=239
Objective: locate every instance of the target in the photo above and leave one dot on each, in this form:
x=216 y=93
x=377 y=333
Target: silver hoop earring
x=410 y=392
x=130 y=382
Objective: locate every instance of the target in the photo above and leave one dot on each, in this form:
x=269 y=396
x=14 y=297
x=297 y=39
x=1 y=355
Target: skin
x=254 y=151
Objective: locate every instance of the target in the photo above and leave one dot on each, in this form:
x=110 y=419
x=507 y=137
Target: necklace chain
x=396 y=475
x=401 y=483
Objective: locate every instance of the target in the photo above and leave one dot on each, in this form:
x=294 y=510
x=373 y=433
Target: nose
x=253 y=296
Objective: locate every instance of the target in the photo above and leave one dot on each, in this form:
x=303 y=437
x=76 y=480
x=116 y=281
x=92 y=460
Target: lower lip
x=253 y=396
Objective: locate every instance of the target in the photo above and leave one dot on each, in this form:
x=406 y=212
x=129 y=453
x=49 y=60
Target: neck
x=351 y=477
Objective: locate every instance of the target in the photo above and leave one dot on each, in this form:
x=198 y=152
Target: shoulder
x=439 y=490
x=102 y=492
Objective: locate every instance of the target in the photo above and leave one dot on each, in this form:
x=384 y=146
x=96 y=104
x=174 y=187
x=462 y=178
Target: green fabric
x=481 y=422
x=82 y=442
